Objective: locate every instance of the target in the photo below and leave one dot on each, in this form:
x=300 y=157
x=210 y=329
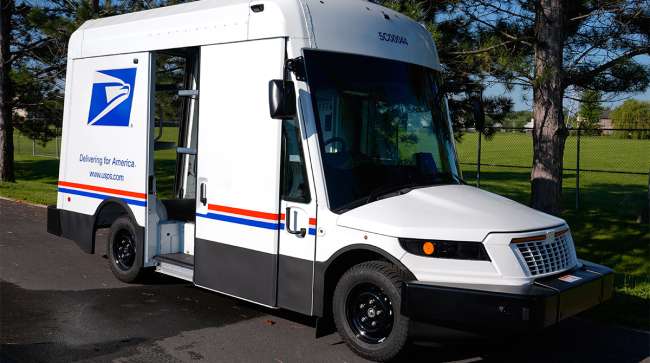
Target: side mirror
x=282 y=99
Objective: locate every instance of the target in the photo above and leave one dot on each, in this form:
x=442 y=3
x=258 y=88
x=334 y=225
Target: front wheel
x=366 y=310
x=125 y=250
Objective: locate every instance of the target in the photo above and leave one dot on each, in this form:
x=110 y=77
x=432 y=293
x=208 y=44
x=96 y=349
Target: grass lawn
x=604 y=228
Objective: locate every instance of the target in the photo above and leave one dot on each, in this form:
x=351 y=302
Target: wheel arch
x=111 y=209
x=327 y=273
x=107 y=212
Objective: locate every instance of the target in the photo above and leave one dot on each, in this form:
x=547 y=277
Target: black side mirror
x=282 y=99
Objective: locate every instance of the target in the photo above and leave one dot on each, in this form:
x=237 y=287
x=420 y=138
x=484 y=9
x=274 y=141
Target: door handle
x=203 y=195
x=301 y=232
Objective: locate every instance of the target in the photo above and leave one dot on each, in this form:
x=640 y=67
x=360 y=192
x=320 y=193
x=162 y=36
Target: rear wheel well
x=107 y=213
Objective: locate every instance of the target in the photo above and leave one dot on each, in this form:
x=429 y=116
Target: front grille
x=546 y=256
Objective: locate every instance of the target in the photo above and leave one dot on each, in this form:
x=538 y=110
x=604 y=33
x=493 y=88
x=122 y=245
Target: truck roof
x=353 y=26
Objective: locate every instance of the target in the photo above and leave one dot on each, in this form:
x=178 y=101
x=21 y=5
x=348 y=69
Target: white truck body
x=238 y=241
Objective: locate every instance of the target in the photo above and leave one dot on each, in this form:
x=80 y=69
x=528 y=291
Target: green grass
x=604 y=228
x=596 y=152
x=165 y=165
x=36 y=176
x=36 y=179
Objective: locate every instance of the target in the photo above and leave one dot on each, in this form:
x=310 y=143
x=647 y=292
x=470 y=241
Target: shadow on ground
x=50 y=325
x=40 y=169
x=60 y=326
x=574 y=340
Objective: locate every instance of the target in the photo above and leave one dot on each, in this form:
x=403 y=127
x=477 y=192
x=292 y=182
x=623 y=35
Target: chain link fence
x=606 y=170
x=25 y=145
x=603 y=169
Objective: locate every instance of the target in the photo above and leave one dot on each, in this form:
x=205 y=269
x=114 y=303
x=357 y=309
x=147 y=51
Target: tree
x=557 y=48
x=6 y=127
x=632 y=114
x=40 y=38
x=31 y=63
x=590 y=110
x=464 y=80
x=33 y=56
x=39 y=42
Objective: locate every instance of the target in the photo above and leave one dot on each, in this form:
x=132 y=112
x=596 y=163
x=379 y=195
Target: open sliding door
x=104 y=152
x=238 y=211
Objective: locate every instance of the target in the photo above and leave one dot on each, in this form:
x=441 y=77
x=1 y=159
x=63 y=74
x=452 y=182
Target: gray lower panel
x=237 y=271
x=81 y=227
x=72 y=225
x=295 y=284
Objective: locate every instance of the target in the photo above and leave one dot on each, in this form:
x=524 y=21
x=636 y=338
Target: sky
x=523 y=98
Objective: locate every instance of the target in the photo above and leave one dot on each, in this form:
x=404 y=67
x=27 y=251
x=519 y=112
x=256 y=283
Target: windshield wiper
x=395 y=190
x=375 y=194
x=392 y=190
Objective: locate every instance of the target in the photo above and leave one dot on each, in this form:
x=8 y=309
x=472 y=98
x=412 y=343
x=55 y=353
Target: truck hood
x=446 y=212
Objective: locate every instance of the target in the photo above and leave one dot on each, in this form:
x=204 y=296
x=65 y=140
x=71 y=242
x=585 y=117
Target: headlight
x=458 y=250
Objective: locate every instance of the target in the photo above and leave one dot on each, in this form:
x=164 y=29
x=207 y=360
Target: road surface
x=58 y=304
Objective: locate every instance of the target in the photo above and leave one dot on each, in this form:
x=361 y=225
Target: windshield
x=382 y=125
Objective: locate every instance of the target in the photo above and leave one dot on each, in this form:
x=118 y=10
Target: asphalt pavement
x=58 y=304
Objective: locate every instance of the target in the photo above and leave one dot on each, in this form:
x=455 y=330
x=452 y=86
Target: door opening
x=175 y=131
x=173 y=156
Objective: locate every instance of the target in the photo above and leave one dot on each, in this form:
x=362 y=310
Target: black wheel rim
x=370 y=313
x=124 y=250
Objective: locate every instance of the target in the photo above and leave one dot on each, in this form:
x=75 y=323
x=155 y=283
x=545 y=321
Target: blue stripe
x=246 y=222
x=140 y=203
x=312 y=231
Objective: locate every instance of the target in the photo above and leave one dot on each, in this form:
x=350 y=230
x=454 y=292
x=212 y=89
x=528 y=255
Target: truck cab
x=312 y=167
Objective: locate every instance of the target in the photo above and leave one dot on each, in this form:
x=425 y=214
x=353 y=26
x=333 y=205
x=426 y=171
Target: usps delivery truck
x=313 y=169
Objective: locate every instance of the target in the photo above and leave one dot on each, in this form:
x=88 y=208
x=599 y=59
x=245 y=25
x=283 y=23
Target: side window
x=295 y=187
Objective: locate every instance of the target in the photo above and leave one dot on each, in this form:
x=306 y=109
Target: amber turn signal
x=428 y=248
x=561 y=233
x=528 y=239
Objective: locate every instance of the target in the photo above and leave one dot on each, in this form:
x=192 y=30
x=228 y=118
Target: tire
x=125 y=250
x=362 y=295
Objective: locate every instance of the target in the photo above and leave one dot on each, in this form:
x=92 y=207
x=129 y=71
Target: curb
x=23 y=202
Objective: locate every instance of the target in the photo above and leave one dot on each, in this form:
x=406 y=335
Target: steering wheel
x=340 y=140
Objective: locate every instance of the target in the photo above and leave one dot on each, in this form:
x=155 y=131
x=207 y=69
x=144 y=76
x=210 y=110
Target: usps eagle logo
x=112 y=97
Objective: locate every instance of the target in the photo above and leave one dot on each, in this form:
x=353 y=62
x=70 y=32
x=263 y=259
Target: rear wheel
x=124 y=250
x=366 y=309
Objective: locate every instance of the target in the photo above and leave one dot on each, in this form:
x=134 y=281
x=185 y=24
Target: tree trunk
x=6 y=125
x=550 y=131
x=94 y=5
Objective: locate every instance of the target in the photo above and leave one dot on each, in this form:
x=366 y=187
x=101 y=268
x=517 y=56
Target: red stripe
x=312 y=221
x=252 y=213
x=244 y=212
x=125 y=193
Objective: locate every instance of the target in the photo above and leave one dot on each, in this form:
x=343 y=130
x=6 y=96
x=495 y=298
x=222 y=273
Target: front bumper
x=492 y=307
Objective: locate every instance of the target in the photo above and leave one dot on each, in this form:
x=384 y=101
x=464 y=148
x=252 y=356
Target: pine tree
x=555 y=47
x=590 y=111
